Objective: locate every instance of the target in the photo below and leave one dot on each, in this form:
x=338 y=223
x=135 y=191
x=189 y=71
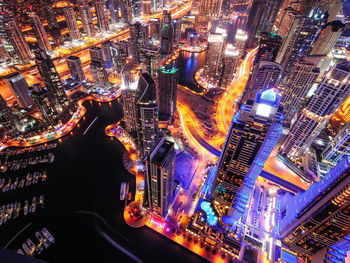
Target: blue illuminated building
x=318 y=220
x=254 y=132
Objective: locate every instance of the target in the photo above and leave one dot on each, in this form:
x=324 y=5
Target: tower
x=319 y=217
x=19 y=42
x=20 y=89
x=86 y=18
x=99 y=73
x=160 y=165
x=147 y=114
x=269 y=45
x=39 y=32
x=135 y=42
x=255 y=130
x=302 y=78
x=265 y=74
x=318 y=110
x=113 y=7
x=51 y=79
x=8 y=119
x=230 y=63
x=51 y=19
x=102 y=16
x=130 y=79
x=166 y=34
x=154 y=27
x=168 y=77
x=75 y=68
x=71 y=21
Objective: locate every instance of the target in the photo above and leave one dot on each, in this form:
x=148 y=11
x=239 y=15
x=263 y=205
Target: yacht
x=41 y=239
x=33 y=205
x=47 y=235
x=52 y=158
x=25 y=210
x=123 y=190
x=26 y=249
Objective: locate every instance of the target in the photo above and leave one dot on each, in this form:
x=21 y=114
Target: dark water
x=86 y=176
x=188 y=64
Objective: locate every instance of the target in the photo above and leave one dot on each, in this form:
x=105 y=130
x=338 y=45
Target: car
x=41 y=239
x=48 y=236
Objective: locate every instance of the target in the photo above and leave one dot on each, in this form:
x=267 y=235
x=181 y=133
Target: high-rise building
x=51 y=19
x=269 y=45
x=75 y=68
x=302 y=35
x=51 y=79
x=107 y=53
x=8 y=119
x=318 y=110
x=136 y=8
x=286 y=22
x=102 y=15
x=319 y=217
x=265 y=74
x=99 y=73
x=119 y=52
x=147 y=114
x=19 y=42
x=154 y=28
x=212 y=66
x=46 y=107
x=160 y=165
x=230 y=63
x=146 y=7
x=130 y=80
x=96 y=53
x=332 y=7
x=86 y=18
x=39 y=32
x=71 y=22
x=113 y=7
x=240 y=39
x=328 y=38
x=261 y=17
x=135 y=42
x=177 y=31
x=302 y=78
x=166 y=34
x=254 y=132
x=168 y=77
x=7 y=49
x=145 y=34
x=338 y=147
x=20 y=89
x=209 y=9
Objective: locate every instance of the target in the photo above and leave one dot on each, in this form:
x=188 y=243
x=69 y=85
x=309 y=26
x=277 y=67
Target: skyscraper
x=51 y=19
x=154 y=27
x=230 y=63
x=7 y=49
x=261 y=17
x=113 y=7
x=19 y=42
x=338 y=147
x=99 y=73
x=130 y=80
x=96 y=53
x=265 y=74
x=101 y=13
x=8 y=119
x=168 y=77
x=119 y=52
x=135 y=42
x=209 y=9
x=212 y=66
x=302 y=78
x=147 y=114
x=302 y=35
x=136 y=8
x=146 y=7
x=19 y=88
x=145 y=34
x=166 y=35
x=287 y=20
x=318 y=110
x=328 y=38
x=160 y=165
x=106 y=53
x=75 y=68
x=51 y=79
x=39 y=32
x=71 y=22
x=269 y=45
x=86 y=18
x=240 y=39
x=44 y=104
x=254 y=132
x=320 y=216
x=177 y=31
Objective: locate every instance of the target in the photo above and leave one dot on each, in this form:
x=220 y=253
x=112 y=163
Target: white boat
x=123 y=190
x=26 y=249
x=20 y=251
x=33 y=205
x=52 y=158
x=41 y=200
x=41 y=239
x=47 y=235
x=26 y=206
x=31 y=245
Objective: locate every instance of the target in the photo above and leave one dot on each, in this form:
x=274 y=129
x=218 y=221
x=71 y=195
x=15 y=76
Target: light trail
x=87 y=129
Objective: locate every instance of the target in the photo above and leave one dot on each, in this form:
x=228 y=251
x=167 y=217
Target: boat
x=52 y=158
x=33 y=205
x=25 y=210
x=123 y=190
x=48 y=235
